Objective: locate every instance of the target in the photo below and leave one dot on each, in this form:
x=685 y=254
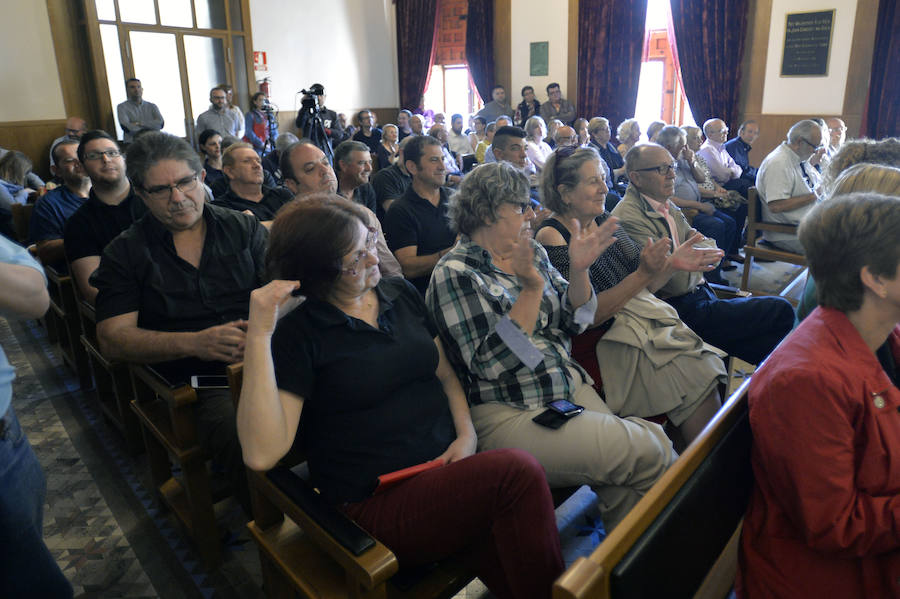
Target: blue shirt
x=10 y=253
x=48 y=221
x=739 y=150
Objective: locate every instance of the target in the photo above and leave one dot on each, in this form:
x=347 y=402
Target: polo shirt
x=413 y=220
x=372 y=140
x=52 y=210
x=90 y=228
x=272 y=201
x=390 y=184
x=365 y=195
x=140 y=271
x=780 y=177
x=372 y=403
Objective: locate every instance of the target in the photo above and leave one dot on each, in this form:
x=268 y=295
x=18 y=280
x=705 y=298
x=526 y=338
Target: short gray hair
x=564 y=171
x=533 y=123
x=343 y=150
x=596 y=123
x=801 y=130
x=626 y=128
x=284 y=140
x=482 y=192
x=151 y=148
x=669 y=136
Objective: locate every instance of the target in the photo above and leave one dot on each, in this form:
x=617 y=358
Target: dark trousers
x=746 y=327
x=27 y=569
x=721 y=227
x=217 y=432
x=494 y=508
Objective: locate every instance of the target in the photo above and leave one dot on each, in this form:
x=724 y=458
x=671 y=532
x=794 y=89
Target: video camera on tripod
x=309 y=119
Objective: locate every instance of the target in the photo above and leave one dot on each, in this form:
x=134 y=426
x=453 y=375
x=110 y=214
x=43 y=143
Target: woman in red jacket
x=824 y=518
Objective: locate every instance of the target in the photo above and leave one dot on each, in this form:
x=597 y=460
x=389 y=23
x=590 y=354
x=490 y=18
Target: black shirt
x=141 y=272
x=413 y=220
x=272 y=201
x=373 y=141
x=90 y=229
x=390 y=184
x=372 y=402
x=364 y=195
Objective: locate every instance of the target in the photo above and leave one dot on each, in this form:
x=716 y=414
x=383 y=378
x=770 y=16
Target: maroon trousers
x=493 y=508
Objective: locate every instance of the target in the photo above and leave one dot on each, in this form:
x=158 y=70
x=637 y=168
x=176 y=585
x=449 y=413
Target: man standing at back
x=110 y=209
x=136 y=114
x=416 y=225
x=219 y=118
x=498 y=106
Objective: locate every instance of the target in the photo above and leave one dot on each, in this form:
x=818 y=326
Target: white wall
x=809 y=95
x=29 y=77
x=349 y=46
x=538 y=21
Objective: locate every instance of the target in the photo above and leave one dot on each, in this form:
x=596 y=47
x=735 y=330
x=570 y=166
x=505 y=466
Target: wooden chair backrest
x=671 y=542
x=21 y=221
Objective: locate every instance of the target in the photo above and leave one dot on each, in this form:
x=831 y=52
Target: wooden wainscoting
x=34 y=139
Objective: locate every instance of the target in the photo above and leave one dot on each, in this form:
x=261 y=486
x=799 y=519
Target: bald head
x=75 y=127
x=838 y=132
x=565 y=136
x=716 y=130
x=646 y=165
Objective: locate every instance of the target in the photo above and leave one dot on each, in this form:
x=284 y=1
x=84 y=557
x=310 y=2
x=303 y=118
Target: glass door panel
x=176 y=13
x=137 y=11
x=210 y=14
x=205 y=58
x=115 y=75
x=155 y=60
x=240 y=72
x=106 y=10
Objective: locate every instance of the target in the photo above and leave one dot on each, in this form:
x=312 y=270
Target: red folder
x=386 y=481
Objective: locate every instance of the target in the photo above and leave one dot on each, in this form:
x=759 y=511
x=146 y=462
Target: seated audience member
x=271 y=162
x=246 y=191
x=748 y=328
x=478 y=133
x=27 y=568
x=218 y=116
x=403 y=124
x=863 y=177
x=174 y=288
x=628 y=133
x=14 y=166
x=837 y=135
x=75 y=128
x=54 y=208
x=506 y=317
x=368 y=133
x=711 y=222
x=485 y=144
x=786 y=190
x=110 y=209
x=403 y=406
x=599 y=131
x=669 y=371
x=457 y=141
x=883 y=151
x=260 y=126
x=724 y=170
x=32 y=181
x=307 y=171
x=416 y=225
x=391 y=183
x=822 y=518
x=581 y=129
x=509 y=146
x=653 y=130
x=498 y=106
x=136 y=114
x=417 y=125
x=439 y=119
x=353 y=167
x=451 y=165
x=739 y=149
x=552 y=126
x=426 y=113
x=501 y=122
x=565 y=136
x=729 y=200
x=557 y=107
x=211 y=149
x=527 y=108
x=388 y=150
x=536 y=148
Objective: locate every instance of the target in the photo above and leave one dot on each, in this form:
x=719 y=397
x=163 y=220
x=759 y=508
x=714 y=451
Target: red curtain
x=416 y=30
x=710 y=38
x=884 y=88
x=610 y=43
x=480 y=46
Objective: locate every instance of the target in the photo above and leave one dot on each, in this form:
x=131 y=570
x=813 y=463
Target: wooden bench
x=64 y=312
x=752 y=249
x=681 y=539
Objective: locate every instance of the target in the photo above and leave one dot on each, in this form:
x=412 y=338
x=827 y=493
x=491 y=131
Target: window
x=660 y=94
x=450 y=89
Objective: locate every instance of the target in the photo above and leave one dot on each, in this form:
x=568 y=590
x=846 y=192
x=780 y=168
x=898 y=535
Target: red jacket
x=824 y=517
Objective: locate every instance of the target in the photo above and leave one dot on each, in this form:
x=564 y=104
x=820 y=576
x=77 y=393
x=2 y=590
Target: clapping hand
x=589 y=243
x=655 y=256
x=523 y=261
x=690 y=258
x=269 y=303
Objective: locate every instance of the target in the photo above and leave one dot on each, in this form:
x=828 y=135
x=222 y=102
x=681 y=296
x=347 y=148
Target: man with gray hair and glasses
x=786 y=187
x=174 y=288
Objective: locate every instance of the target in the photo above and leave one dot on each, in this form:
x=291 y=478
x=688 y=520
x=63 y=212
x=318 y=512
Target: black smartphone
x=565 y=408
x=209 y=381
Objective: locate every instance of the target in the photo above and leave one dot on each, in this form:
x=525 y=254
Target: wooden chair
x=64 y=312
x=752 y=250
x=168 y=422
x=681 y=539
x=21 y=221
x=306 y=545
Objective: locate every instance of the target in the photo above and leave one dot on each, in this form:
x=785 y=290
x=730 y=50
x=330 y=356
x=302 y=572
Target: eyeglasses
x=101 y=153
x=810 y=144
x=164 y=192
x=371 y=239
x=663 y=169
x=521 y=207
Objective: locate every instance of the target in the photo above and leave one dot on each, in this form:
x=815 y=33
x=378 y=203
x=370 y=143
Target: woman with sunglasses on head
x=650 y=361
x=358 y=371
x=506 y=317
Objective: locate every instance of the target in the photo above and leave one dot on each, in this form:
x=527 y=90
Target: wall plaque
x=807 y=44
